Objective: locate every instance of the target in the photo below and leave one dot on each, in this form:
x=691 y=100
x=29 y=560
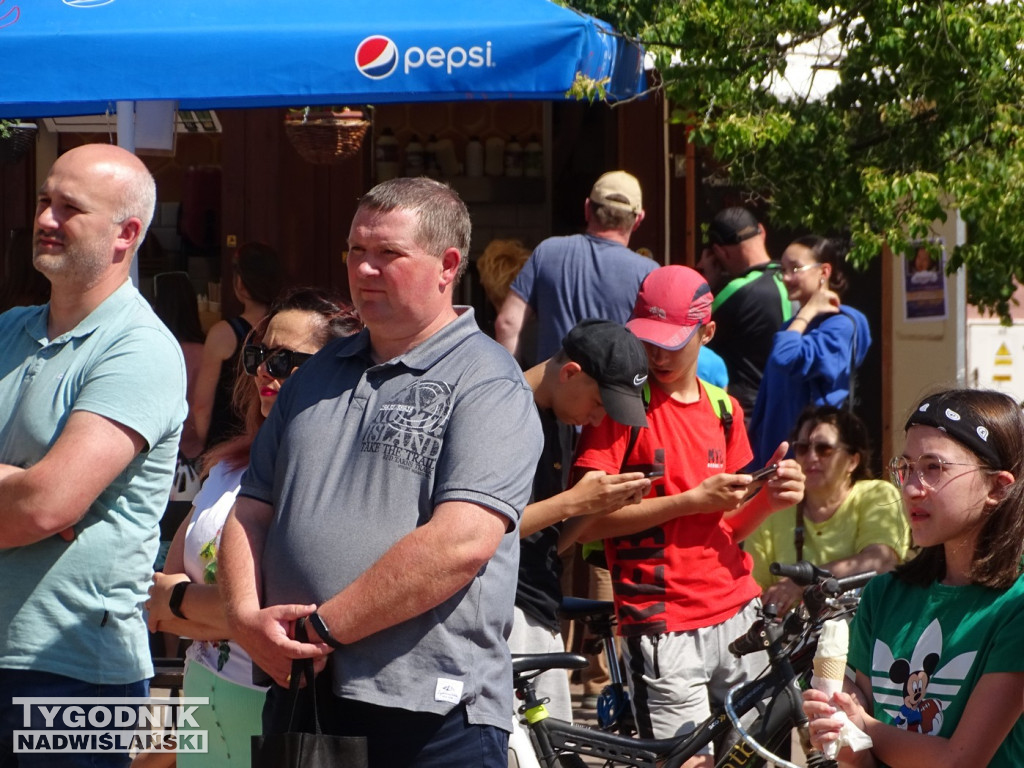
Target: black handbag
x=299 y=749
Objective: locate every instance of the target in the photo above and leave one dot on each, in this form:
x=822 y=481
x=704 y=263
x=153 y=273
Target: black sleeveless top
x=224 y=421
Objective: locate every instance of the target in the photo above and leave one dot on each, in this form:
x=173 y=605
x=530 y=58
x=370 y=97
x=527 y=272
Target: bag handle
x=302 y=668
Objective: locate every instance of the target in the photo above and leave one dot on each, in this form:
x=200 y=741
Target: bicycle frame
x=775 y=695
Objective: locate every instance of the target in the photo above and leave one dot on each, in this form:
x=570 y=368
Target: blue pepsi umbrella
x=67 y=57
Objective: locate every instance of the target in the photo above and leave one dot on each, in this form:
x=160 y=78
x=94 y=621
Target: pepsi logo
x=377 y=57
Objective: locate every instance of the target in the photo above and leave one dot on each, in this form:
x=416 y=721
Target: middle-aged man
x=590 y=275
x=384 y=492
x=92 y=398
x=752 y=304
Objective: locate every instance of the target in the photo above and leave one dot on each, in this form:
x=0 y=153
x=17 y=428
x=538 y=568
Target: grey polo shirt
x=354 y=456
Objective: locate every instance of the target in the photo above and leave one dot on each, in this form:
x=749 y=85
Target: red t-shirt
x=689 y=572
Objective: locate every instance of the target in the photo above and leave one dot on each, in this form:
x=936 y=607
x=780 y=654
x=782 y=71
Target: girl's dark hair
x=259 y=268
x=337 y=319
x=825 y=251
x=853 y=433
x=174 y=301
x=997 y=554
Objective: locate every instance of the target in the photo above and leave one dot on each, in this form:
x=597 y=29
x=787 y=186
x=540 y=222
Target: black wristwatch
x=177 y=595
x=322 y=630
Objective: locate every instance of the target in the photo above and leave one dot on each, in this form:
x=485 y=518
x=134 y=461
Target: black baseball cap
x=616 y=360
x=732 y=226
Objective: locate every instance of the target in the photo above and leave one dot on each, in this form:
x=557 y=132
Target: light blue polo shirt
x=75 y=608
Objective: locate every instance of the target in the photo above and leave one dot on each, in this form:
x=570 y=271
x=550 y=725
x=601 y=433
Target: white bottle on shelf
x=386 y=156
x=494 y=156
x=414 y=160
x=533 y=158
x=514 y=158
x=474 y=157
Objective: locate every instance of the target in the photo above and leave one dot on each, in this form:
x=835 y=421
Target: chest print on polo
x=408 y=429
x=915 y=691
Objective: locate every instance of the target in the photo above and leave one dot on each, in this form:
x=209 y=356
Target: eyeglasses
x=279 y=362
x=928 y=469
x=819 y=447
x=791 y=271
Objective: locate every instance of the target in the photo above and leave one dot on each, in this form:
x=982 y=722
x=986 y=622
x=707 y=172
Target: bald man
x=92 y=398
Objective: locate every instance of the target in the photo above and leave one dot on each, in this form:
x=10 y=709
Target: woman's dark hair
x=174 y=301
x=825 y=251
x=997 y=553
x=259 y=268
x=853 y=434
x=337 y=319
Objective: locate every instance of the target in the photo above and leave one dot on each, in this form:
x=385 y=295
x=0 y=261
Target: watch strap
x=177 y=595
x=321 y=629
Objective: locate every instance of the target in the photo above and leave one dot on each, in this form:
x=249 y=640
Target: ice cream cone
x=830 y=667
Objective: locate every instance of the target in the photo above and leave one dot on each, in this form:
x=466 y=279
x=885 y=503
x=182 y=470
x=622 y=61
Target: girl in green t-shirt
x=935 y=646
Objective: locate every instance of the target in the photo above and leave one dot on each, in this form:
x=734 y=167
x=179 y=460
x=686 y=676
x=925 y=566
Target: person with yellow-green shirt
x=846 y=523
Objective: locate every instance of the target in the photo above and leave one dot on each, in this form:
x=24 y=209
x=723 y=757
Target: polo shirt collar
x=109 y=308
x=422 y=356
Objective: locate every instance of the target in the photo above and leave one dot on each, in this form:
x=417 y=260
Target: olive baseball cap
x=618 y=189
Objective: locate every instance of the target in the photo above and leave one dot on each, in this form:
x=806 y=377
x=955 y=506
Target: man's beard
x=82 y=262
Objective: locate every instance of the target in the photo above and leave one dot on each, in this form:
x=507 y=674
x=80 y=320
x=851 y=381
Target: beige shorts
x=675 y=679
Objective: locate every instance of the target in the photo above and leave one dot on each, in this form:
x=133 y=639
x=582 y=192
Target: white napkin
x=849 y=734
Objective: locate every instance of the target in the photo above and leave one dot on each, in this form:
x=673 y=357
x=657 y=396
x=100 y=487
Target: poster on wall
x=924 y=282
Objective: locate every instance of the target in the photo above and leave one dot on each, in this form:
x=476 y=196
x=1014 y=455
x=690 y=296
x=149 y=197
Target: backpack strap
x=721 y=405
x=773 y=268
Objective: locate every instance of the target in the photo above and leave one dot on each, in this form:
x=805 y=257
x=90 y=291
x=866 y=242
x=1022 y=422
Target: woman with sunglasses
x=185 y=598
x=847 y=522
x=814 y=355
x=936 y=644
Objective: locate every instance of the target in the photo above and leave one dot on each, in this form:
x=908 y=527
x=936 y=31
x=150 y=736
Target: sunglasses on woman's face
x=821 y=448
x=279 y=363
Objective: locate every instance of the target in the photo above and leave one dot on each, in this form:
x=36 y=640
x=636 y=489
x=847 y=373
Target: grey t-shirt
x=353 y=457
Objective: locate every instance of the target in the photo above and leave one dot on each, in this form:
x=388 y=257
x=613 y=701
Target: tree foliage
x=927 y=114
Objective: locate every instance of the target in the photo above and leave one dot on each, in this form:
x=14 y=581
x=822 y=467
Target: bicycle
x=775 y=695
x=598 y=616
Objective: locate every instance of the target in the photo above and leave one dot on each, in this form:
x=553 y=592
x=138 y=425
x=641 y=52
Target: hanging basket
x=19 y=140
x=325 y=137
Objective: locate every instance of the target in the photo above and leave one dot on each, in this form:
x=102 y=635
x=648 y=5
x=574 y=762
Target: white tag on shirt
x=448 y=690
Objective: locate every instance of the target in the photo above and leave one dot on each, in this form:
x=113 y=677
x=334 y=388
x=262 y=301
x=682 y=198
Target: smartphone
x=764 y=472
x=655 y=472
x=657 y=469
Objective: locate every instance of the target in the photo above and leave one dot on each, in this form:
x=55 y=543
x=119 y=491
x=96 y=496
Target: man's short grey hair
x=138 y=198
x=443 y=218
x=613 y=218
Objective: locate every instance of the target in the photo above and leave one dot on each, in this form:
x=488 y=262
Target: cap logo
x=982 y=433
x=924 y=407
x=638 y=381
x=952 y=415
x=657 y=311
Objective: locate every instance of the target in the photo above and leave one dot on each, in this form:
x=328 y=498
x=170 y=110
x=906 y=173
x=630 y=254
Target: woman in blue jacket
x=814 y=354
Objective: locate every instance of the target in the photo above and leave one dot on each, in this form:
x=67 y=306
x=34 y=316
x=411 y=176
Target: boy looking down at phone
x=683 y=589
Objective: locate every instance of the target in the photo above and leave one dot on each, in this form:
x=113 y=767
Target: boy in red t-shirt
x=683 y=589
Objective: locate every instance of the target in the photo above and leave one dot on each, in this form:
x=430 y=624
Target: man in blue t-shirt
x=589 y=276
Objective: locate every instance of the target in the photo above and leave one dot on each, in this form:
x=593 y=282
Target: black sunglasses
x=820 y=447
x=279 y=362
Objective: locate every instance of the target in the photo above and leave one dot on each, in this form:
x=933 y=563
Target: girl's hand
x=822 y=302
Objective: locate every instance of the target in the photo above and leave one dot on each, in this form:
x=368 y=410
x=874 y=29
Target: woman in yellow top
x=846 y=523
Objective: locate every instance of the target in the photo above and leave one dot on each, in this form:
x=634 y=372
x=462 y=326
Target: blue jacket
x=812 y=367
